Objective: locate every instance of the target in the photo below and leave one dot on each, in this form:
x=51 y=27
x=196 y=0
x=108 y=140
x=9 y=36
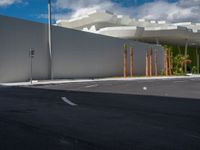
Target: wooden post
x=172 y=67
x=125 y=60
x=197 y=55
x=147 y=63
x=186 y=53
x=166 y=63
x=169 y=58
x=156 y=63
x=151 y=60
x=131 y=62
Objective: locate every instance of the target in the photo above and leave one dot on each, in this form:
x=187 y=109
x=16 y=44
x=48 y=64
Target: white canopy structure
x=109 y=24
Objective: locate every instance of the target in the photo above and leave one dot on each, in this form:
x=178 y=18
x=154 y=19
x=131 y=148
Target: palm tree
x=179 y=62
x=184 y=61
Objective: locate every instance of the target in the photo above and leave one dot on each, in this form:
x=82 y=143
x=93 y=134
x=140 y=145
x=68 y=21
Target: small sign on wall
x=32 y=53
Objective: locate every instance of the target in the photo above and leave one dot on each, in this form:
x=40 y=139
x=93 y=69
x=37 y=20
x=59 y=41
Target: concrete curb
x=47 y=82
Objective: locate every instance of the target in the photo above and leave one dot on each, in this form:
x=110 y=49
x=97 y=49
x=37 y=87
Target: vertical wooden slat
x=125 y=61
x=166 y=63
x=151 y=60
x=169 y=58
x=186 y=53
x=172 y=62
x=156 y=63
x=147 y=63
x=197 y=55
x=131 y=62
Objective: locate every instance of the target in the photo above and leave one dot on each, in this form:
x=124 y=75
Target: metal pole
x=31 y=66
x=49 y=40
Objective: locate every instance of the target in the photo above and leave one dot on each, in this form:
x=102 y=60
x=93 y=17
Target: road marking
x=144 y=88
x=193 y=79
x=68 y=101
x=178 y=81
x=93 y=85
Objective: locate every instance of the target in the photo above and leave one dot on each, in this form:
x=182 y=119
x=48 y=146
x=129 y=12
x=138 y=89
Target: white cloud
x=172 y=12
x=183 y=10
x=82 y=7
x=8 y=2
x=189 y=3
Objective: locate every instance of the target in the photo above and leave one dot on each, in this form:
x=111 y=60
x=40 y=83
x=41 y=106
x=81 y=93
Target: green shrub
x=178 y=63
x=194 y=70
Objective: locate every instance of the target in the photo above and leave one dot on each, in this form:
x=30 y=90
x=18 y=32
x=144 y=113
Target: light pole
x=50 y=40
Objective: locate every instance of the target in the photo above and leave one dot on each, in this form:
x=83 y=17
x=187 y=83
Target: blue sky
x=30 y=10
x=34 y=8
x=171 y=10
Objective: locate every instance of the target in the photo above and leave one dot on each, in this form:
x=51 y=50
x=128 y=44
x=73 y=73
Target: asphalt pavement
x=110 y=115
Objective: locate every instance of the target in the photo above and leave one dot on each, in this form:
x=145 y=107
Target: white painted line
x=68 y=101
x=179 y=81
x=90 y=86
x=144 y=88
x=193 y=79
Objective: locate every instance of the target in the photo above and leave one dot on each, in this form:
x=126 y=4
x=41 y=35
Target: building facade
x=183 y=37
x=76 y=54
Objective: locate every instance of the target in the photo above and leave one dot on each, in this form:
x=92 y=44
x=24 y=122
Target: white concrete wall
x=76 y=54
x=16 y=38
